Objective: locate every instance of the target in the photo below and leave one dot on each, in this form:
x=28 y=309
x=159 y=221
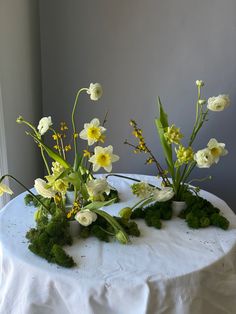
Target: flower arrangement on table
x=180 y=162
x=54 y=212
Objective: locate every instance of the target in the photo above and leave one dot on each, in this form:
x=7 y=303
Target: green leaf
x=55 y=156
x=97 y=205
x=161 y=125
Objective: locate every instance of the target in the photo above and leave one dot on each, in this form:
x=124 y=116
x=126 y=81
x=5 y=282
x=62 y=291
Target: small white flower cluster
x=144 y=190
x=96 y=188
x=208 y=156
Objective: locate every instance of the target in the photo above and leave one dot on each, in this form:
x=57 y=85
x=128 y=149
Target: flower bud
x=121 y=237
x=199 y=83
x=19 y=119
x=202 y=101
x=125 y=213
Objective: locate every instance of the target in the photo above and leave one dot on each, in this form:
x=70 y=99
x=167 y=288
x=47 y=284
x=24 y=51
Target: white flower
x=42 y=189
x=218 y=103
x=103 y=157
x=5 y=189
x=163 y=195
x=96 y=188
x=199 y=83
x=95 y=91
x=92 y=131
x=85 y=217
x=217 y=149
x=44 y=125
x=204 y=158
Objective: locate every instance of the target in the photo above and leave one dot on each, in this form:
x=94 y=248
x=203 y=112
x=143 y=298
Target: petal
x=83 y=135
x=98 y=149
x=95 y=122
x=96 y=167
x=114 y=158
x=108 y=168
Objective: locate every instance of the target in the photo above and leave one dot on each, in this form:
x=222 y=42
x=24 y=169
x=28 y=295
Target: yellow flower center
x=103 y=159
x=94 y=133
x=215 y=151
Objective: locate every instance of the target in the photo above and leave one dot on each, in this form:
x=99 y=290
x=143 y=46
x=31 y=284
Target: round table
x=172 y=270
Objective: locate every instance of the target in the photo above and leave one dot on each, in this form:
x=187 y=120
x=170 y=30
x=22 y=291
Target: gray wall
x=20 y=79
x=138 y=50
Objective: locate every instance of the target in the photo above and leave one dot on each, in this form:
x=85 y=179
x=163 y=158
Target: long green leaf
x=55 y=156
x=161 y=125
x=97 y=205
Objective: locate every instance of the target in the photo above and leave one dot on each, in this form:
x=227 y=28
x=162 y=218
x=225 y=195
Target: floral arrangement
x=180 y=162
x=69 y=191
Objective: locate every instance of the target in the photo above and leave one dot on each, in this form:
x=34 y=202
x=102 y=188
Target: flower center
x=94 y=133
x=215 y=151
x=104 y=159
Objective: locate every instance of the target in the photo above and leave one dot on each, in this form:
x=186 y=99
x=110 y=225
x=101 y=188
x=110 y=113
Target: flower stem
x=129 y=178
x=74 y=126
x=31 y=193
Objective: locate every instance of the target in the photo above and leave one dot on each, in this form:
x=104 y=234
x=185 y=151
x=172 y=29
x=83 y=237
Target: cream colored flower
x=142 y=189
x=199 y=83
x=95 y=91
x=85 y=217
x=184 y=154
x=42 y=188
x=218 y=103
x=44 y=125
x=5 y=189
x=173 y=134
x=103 y=157
x=163 y=195
x=96 y=188
x=92 y=132
x=204 y=158
x=217 y=149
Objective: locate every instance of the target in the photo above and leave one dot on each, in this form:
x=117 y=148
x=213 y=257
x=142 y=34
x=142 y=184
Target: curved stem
x=129 y=178
x=10 y=176
x=44 y=159
x=73 y=123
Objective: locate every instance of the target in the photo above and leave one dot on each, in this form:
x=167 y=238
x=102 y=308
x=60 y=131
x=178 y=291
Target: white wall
x=140 y=49
x=20 y=80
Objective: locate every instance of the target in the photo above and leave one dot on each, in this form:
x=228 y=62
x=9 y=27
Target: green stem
x=44 y=159
x=73 y=124
x=125 y=177
x=31 y=193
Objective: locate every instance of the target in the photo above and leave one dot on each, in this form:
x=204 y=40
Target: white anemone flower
x=204 y=158
x=44 y=125
x=42 y=189
x=96 y=188
x=163 y=195
x=95 y=91
x=218 y=103
x=92 y=131
x=103 y=157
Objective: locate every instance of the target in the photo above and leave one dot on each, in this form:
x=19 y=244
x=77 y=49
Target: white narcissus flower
x=95 y=91
x=85 y=217
x=44 y=125
x=218 y=103
x=103 y=157
x=204 y=158
x=5 y=189
x=96 y=188
x=163 y=195
x=142 y=189
x=92 y=131
x=217 y=149
x=41 y=187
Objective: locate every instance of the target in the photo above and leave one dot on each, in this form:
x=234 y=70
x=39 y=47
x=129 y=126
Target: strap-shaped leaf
x=55 y=156
x=161 y=125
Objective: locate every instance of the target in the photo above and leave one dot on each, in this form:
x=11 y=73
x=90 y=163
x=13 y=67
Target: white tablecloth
x=172 y=270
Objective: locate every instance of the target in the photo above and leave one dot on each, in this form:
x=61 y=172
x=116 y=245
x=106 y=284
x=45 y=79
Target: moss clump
x=154 y=213
x=47 y=241
x=200 y=213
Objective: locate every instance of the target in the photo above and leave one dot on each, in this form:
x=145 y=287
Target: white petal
x=83 y=135
x=114 y=158
x=108 y=168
